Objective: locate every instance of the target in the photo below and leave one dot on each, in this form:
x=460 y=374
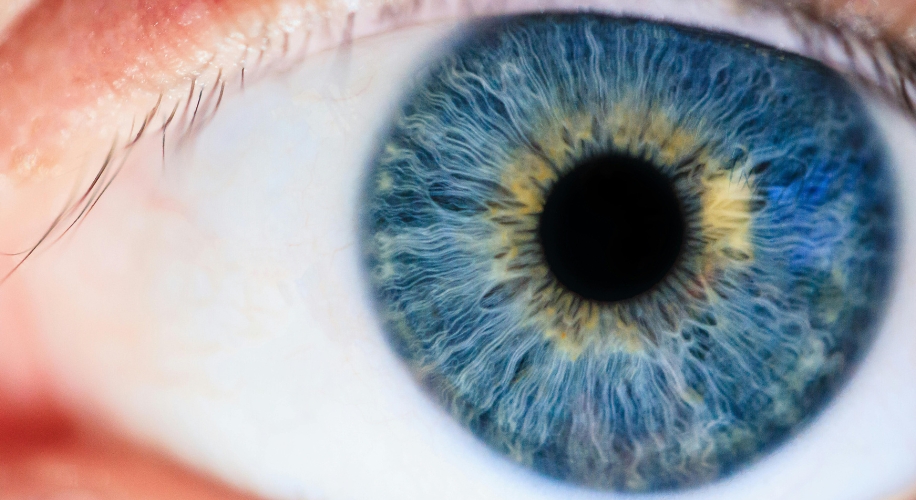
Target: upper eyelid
x=876 y=54
x=871 y=48
x=876 y=57
x=10 y=10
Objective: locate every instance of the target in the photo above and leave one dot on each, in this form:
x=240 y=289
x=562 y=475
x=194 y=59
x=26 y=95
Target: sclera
x=213 y=306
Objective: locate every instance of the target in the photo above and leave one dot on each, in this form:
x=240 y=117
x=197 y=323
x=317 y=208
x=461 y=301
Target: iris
x=628 y=254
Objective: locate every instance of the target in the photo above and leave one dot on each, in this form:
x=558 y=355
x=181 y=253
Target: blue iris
x=788 y=219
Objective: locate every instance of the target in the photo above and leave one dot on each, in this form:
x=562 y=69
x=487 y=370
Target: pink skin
x=74 y=74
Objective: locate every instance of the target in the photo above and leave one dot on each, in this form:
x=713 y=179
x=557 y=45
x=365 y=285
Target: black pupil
x=611 y=228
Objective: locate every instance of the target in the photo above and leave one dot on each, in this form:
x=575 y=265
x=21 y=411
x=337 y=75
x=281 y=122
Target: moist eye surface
x=628 y=255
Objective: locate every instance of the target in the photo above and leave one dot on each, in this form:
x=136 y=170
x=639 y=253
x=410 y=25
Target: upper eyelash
x=876 y=59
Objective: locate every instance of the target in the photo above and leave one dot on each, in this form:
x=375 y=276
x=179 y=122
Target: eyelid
x=75 y=75
x=10 y=10
x=82 y=80
x=182 y=93
x=870 y=44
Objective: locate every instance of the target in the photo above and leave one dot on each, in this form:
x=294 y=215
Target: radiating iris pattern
x=629 y=255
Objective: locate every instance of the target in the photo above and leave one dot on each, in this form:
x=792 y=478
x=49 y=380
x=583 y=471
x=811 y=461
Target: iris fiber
x=784 y=253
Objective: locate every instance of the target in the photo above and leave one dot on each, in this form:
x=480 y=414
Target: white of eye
x=217 y=308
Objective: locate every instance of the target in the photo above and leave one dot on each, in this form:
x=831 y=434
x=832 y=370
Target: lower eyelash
x=787 y=252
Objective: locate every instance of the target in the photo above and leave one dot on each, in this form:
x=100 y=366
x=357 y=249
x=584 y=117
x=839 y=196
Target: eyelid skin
x=76 y=74
x=10 y=11
x=73 y=75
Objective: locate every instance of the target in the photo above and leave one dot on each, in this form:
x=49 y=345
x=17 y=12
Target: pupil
x=611 y=228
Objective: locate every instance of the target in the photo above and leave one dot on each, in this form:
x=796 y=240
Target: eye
x=216 y=304
x=599 y=242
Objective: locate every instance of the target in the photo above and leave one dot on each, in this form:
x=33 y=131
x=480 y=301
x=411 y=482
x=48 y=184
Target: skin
x=63 y=100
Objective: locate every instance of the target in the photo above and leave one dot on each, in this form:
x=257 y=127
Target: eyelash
x=877 y=61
